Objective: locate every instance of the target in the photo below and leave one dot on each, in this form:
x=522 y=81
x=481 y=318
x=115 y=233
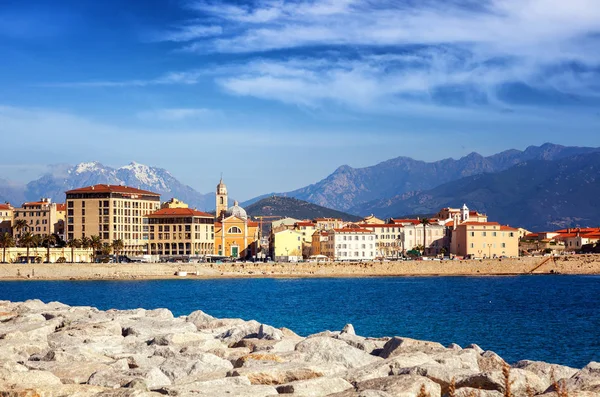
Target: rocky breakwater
x=55 y=350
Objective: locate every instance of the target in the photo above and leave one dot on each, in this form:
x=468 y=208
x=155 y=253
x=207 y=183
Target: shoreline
x=572 y=264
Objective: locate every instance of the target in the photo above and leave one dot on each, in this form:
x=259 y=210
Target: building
x=319 y=239
x=349 y=244
x=6 y=217
x=235 y=235
x=399 y=236
x=180 y=231
x=43 y=218
x=373 y=220
x=463 y=214
x=285 y=223
x=174 y=203
x=575 y=238
x=484 y=240
x=111 y=212
x=328 y=223
x=286 y=246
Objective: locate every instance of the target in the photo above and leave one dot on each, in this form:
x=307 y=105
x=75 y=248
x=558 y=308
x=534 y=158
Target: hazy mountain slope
x=11 y=192
x=137 y=175
x=538 y=194
x=347 y=188
x=294 y=208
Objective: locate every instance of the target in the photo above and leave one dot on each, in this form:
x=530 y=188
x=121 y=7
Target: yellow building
x=6 y=217
x=174 y=203
x=111 y=212
x=235 y=235
x=180 y=231
x=286 y=245
x=484 y=240
x=43 y=218
x=372 y=220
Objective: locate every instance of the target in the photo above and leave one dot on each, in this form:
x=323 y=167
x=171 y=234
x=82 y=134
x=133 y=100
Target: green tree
x=27 y=240
x=86 y=242
x=20 y=225
x=95 y=244
x=425 y=222
x=74 y=243
x=6 y=241
x=117 y=247
x=106 y=249
x=49 y=240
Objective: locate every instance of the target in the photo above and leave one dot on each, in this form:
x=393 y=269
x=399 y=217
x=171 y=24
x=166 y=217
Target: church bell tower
x=221 y=199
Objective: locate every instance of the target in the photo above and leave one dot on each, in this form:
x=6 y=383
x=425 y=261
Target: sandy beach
x=572 y=264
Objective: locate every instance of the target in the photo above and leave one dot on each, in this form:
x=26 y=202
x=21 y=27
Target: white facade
x=391 y=240
x=350 y=245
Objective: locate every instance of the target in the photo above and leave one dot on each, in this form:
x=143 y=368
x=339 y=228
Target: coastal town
x=103 y=223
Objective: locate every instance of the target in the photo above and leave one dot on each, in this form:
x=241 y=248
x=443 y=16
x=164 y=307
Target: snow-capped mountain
x=63 y=178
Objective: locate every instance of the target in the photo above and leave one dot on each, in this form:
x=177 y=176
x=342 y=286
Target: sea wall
x=56 y=350
x=569 y=264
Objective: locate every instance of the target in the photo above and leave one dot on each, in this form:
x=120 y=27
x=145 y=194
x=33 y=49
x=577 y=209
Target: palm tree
x=6 y=241
x=86 y=242
x=74 y=243
x=95 y=244
x=49 y=240
x=37 y=242
x=27 y=240
x=20 y=224
x=117 y=247
x=424 y=222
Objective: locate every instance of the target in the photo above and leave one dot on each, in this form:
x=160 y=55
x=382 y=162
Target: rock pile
x=56 y=350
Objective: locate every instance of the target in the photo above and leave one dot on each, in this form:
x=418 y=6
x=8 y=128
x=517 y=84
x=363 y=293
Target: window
x=234 y=230
x=483 y=234
x=472 y=234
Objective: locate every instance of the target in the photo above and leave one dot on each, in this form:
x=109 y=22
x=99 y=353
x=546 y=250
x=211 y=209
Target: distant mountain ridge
x=538 y=195
x=294 y=208
x=54 y=184
x=350 y=189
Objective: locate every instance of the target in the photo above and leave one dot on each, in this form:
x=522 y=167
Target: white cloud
x=174 y=114
x=190 y=32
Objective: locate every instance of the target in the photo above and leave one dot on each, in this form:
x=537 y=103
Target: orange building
x=235 y=235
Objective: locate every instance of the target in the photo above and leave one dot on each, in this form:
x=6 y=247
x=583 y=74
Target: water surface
x=549 y=318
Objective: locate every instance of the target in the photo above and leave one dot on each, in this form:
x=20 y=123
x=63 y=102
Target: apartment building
x=178 y=231
x=402 y=235
x=111 y=212
x=6 y=217
x=286 y=245
x=43 y=218
x=349 y=244
x=484 y=240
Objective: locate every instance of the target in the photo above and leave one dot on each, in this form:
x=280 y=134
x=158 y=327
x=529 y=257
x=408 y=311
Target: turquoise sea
x=549 y=318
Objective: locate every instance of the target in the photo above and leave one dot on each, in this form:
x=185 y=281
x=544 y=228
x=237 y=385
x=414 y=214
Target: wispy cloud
x=189 y=32
x=174 y=114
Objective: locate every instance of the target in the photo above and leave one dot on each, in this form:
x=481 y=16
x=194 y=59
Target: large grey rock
x=586 y=379
x=315 y=387
x=324 y=350
x=546 y=372
x=153 y=377
x=490 y=361
x=397 y=346
x=238 y=386
x=269 y=333
x=199 y=319
x=282 y=373
x=401 y=385
x=27 y=379
x=390 y=366
x=520 y=380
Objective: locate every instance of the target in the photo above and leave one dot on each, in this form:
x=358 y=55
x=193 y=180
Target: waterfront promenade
x=571 y=264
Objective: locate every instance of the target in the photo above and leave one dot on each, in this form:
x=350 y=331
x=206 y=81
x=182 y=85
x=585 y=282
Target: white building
x=349 y=244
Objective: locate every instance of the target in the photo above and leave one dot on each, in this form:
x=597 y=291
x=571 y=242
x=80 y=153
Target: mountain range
x=62 y=178
x=541 y=187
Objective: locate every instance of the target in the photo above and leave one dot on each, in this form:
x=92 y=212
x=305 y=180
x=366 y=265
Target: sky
x=277 y=94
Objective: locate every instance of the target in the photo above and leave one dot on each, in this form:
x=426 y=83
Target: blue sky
x=277 y=94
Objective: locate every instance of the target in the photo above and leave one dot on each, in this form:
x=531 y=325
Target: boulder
x=153 y=377
x=199 y=319
x=397 y=346
x=520 y=381
x=238 y=386
x=183 y=338
x=368 y=345
x=25 y=379
x=475 y=347
x=401 y=385
x=490 y=361
x=348 y=329
x=315 y=387
x=470 y=392
x=546 y=372
x=386 y=367
x=278 y=374
x=587 y=379
x=364 y=393
x=269 y=333
x=324 y=350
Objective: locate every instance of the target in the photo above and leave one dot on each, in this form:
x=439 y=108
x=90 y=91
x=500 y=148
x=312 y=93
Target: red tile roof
x=368 y=225
x=61 y=207
x=35 y=203
x=508 y=228
x=5 y=207
x=480 y=224
x=166 y=212
x=413 y=221
x=305 y=224
x=349 y=230
x=111 y=189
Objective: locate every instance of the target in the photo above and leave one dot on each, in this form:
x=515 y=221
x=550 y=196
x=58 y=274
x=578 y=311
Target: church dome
x=237 y=211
